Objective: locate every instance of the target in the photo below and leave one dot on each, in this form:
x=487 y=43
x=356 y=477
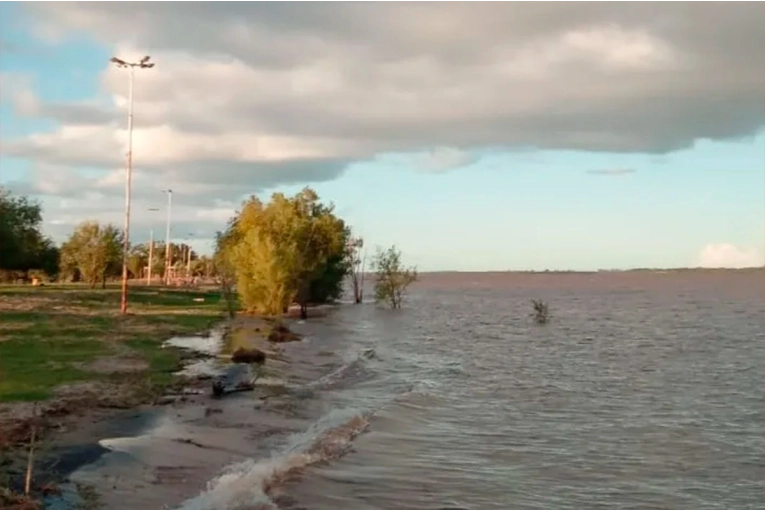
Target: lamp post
x=151 y=250
x=131 y=66
x=168 y=251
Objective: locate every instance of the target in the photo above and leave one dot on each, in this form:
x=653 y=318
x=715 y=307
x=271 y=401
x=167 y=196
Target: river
x=645 y=391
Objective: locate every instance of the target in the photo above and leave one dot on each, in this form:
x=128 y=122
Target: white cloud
x=724 y=255
x=245 y=96
x=612 y=172
x=442 y=159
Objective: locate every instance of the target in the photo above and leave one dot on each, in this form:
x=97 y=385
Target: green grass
x=49 y=334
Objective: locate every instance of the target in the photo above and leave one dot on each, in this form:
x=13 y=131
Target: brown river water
x=645 y=391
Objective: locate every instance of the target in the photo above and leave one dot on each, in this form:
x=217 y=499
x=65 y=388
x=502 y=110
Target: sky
x=473 y=136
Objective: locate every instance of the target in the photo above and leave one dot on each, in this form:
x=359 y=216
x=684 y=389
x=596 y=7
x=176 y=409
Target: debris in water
x=237 y=378
x=242 y=355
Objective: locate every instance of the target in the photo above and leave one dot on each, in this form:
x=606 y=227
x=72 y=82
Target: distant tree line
x=290 y=250
x=92 y=253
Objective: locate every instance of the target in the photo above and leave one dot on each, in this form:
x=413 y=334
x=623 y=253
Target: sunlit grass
x=49 y=334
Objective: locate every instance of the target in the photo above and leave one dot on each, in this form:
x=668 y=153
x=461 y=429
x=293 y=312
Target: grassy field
x=61 y=334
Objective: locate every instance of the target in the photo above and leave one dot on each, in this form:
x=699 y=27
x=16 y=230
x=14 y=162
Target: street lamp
x=168 y=252
x=141 y=64
x=151 y=248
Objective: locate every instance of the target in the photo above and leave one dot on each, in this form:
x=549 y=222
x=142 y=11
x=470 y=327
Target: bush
x=392 y=278
x=541 y=312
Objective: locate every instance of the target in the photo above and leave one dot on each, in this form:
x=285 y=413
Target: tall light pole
x=151 y=249
x=142 y=64
x=168 y=251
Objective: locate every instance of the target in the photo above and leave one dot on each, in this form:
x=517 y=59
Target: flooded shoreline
x=647 y=398
x=166 y=456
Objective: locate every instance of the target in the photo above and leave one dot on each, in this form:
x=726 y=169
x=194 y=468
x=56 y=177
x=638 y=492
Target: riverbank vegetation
x=392 y=278
x=540 y=312
x=289 y=250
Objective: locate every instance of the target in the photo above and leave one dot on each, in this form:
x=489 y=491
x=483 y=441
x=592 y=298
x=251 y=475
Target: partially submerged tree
x=356 y=267
x=290 y=249
x=540 y=311
x=392 y=278
x=94 y=251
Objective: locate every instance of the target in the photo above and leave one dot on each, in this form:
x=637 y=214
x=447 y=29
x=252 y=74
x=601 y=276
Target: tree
x=356 y=267
x=94 y=251
x=138 y=259
x=224 y=268
x=23 y=247
x=392 y=278
x=290 y=249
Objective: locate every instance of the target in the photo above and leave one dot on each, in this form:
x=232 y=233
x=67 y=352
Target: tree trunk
x=103 y=281
x=303 y=311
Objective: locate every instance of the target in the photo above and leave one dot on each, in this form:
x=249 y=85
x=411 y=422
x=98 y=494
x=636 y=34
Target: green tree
x=94 y=251
x=23 y=247
x=291 y=249
x=224 y=268
x=392 y=279
x=138 y=259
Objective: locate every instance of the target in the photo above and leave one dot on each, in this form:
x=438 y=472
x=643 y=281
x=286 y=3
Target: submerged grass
x=49 y=335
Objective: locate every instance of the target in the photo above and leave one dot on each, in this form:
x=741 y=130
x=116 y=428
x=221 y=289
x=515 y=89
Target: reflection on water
x=242 y=338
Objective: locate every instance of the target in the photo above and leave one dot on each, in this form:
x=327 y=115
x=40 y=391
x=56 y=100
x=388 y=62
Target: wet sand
x=161 y=456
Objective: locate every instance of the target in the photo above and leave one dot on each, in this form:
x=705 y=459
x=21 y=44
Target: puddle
x=210 y=367
x=210 y=345
x=216 y=349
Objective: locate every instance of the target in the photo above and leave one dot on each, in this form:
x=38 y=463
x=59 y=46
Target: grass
x=49 y=335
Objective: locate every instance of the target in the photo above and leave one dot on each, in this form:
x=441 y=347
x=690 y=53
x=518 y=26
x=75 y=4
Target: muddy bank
x=184 y=445
x=86 y=429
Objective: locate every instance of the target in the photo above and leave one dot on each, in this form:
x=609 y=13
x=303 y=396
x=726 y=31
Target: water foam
x=246 y=485
x=355 y=362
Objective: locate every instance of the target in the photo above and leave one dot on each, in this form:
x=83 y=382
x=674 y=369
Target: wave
x=355 y=365
x=247 y=485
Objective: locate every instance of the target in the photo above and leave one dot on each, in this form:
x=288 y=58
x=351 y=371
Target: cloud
x=442 y=159
x=613 y=172
x=360 y=80
x=246 y=96
x=724 y=255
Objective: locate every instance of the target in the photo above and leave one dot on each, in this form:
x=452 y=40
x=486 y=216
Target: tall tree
x=392 y=277
x=291 y=249
x=95 y=251
x=22 y=245
x=355 y=262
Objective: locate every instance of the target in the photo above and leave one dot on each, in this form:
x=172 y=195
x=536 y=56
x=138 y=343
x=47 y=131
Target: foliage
x=392 y=278
x=290 y=249
x=138 y=259
x=23 y=246
x=224 y=269
x=94 y=251
x=540 y=312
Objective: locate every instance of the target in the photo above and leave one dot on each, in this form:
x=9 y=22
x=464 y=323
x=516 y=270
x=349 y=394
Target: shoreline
x=73 y=427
